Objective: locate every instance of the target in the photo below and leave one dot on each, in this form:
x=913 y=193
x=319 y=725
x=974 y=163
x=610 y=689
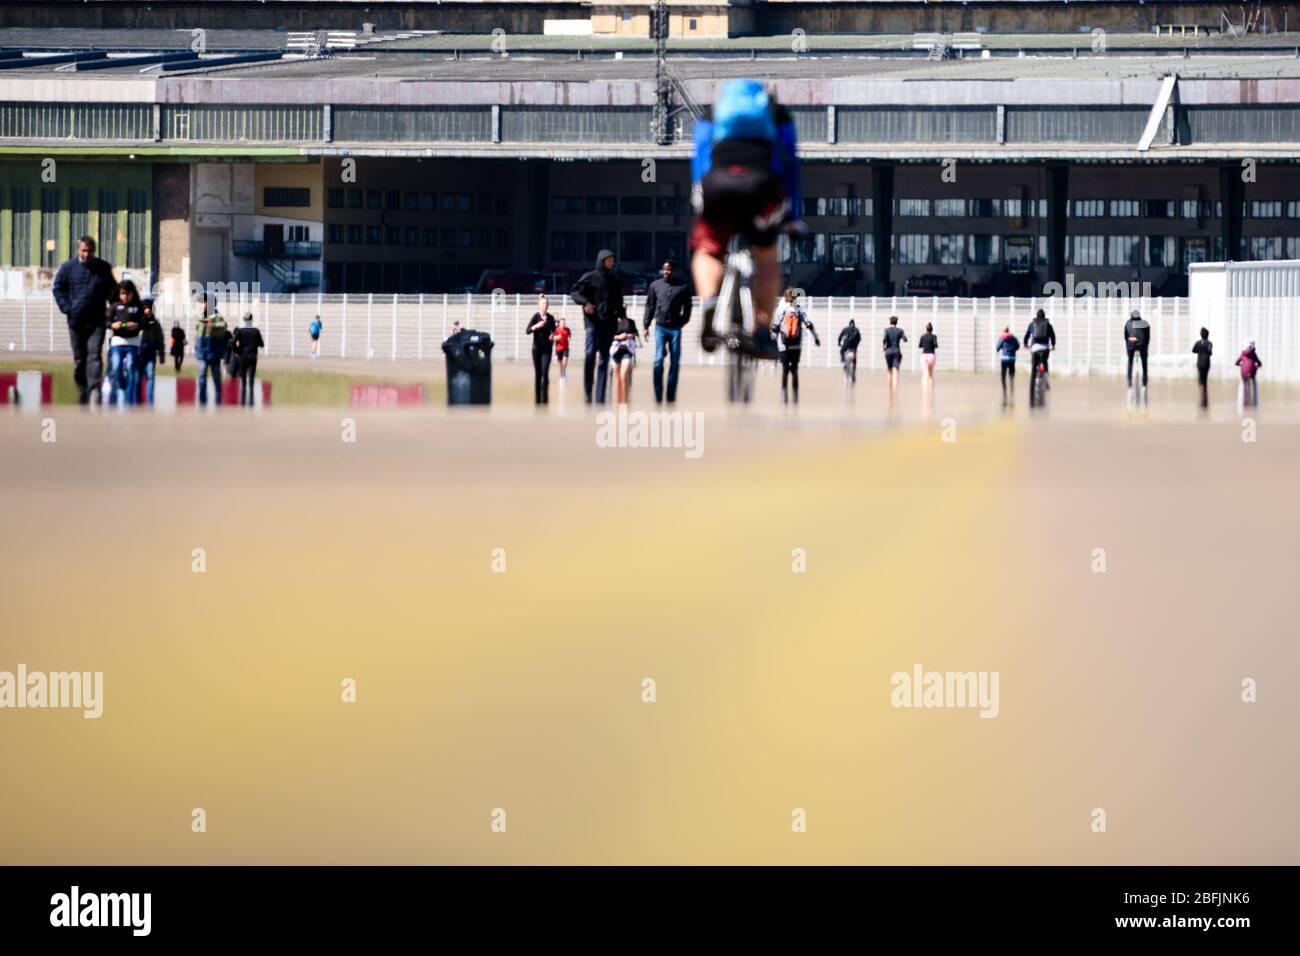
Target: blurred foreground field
x=522 y=690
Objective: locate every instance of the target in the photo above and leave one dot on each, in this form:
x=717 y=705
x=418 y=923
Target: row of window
x=411 y=201
x=428 y=236
x=56 y=244
x=633 y=246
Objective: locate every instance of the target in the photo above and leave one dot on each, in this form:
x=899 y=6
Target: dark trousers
x=1008 y=371
x=1203 y=380
x=669 y=340
x=541 y=376
x=790 y=370
x=1139 y=352
x=600 y=337
x=87 y=361
x=212 y=365
x=179 y=359
x=247 y=379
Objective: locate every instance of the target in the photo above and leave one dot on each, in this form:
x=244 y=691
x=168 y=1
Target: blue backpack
x=743 y=111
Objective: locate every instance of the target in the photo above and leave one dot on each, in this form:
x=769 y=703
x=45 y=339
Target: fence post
x=51 y=319
x=370 y=325
x=394 y=345
x=25 y=322
x=293 y=301
x=419 y=330
x=343 y=342
x=830 y=327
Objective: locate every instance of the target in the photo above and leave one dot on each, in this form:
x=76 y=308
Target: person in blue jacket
x=745 y=181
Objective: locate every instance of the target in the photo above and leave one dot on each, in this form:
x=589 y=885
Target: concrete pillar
x=171 y=239
x=1058 y=200
x=1231 y=195
x=882 y=225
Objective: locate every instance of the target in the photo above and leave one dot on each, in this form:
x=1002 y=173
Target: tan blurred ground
x=522 y=690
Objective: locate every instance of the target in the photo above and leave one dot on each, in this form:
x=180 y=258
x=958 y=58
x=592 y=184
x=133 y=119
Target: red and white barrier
x=26 y=388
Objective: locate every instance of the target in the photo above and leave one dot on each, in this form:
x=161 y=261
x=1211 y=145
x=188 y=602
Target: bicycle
x=735 y=316
x=1038 y=386
x=850 y=363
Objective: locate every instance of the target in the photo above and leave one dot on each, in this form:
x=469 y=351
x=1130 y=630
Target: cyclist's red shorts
x=739 y=200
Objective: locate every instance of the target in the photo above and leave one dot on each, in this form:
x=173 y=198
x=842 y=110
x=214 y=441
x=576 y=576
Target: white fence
x=385 y=328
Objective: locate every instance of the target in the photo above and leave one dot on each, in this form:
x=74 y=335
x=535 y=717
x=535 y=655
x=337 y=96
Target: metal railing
x=411 y=328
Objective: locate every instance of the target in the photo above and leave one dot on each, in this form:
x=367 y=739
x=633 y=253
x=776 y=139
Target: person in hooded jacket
x=1249 y=363
x=1137 y=340
x=600 y=293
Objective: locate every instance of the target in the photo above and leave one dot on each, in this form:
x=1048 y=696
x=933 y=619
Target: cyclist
x=850 y=339
x=1137 y=339
x=1042 y=339
x=745 y=180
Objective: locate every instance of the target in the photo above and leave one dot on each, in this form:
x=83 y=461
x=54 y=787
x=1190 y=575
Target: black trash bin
x=469 y=368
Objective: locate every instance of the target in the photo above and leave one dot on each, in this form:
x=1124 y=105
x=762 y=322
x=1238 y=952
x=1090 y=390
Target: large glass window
x=984 y=250
x=566 y=246
x=1019 y=252
x=671 y=245
x=137 y=227
x=1162 y=252
x=1088 y=250
x=1265 y=247
x=1124 y=250
x=636 y=205
x=602 y=205
x=845 y=250
x=1087 y=208
x=949 y=250
x=950 y=207
x=78 y=215
x=1266 y=209
x=49 y=227
x=599 y=240
x=809 y=248
x=22 y=226
x=567 y=205
x=914 y=207
x=1125 y=208
x=913 y=249
x=637 y=246
x=108 y=225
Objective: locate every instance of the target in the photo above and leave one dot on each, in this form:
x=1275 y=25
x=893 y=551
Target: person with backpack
x=1137 y=339
x=178 y=344
x=893 y=345
x=210 y=336
x=600 y=293
x=244 y=345
x=745 y=182
x=1249 y=362
x=789 y=326
x=1041 y=337
x=850 y=339
x=153 y=349
x=314 y=331
x=1203 y=349
x=1008 y=345
x=929 y=346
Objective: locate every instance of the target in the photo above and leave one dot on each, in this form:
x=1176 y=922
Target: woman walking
x=541 y=327
x=929 y=346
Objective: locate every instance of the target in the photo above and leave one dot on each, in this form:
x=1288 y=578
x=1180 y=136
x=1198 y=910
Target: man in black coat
x=600 y=293
x=668 y=306
x=83 y=288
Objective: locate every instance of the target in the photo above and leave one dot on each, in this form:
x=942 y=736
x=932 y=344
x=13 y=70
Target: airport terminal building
x=413 y=164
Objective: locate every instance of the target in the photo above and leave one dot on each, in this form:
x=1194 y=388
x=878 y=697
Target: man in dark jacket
x=600 y=294
x=246 y=342
x=82 y=288
x=668 y=306
x=1137 y=339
